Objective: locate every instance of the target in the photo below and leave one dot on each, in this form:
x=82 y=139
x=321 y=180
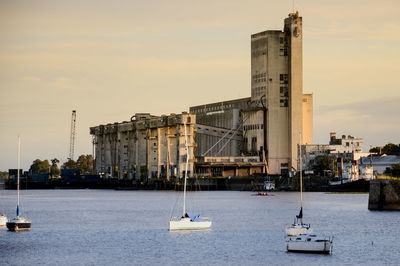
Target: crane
x=72 y=136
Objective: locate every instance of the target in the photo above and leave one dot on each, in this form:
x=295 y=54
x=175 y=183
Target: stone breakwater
x=384 y=195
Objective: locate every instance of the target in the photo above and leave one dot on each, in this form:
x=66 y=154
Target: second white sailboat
x=188 y=221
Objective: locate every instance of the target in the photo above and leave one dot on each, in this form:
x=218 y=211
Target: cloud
x=30 y=78
x=375 y=120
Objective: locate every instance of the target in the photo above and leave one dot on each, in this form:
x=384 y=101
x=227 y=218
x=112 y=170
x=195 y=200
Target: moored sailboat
x=299 y=237
x=298 y=227
x=188 y=221
x=18 y=223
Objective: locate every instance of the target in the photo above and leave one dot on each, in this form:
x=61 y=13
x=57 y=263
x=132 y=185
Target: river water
x=105 y=227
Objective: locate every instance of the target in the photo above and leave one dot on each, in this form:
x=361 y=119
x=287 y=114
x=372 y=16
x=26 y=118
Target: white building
x=380 y=163
x=346 y=151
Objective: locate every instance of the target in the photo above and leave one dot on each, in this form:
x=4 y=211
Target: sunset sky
x=111 y=59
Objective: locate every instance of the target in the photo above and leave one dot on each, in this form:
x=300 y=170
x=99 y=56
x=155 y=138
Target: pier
x=384 y=195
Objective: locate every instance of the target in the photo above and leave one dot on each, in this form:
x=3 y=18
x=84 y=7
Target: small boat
x=18 y=223
x=188 y=221
x=264 y=194
x=269 y=185
x=308 y=243
x=3 y=220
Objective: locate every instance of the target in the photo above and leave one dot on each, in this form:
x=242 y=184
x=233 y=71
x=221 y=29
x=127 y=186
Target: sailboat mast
x=301 y=174
x=19 y=148
x=186 y=169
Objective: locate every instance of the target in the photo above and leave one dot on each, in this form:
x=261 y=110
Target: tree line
x=84 y=164
x=389 y=149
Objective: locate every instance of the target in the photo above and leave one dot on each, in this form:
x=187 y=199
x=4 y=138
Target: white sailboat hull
x=187 y=224
x=307 y=244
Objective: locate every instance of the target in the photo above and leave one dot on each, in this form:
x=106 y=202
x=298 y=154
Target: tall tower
x=277 y=91
x=293 y=30
x=72 y=136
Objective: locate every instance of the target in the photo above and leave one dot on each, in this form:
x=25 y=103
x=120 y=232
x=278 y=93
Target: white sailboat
x=298 y=227
x=18 y=223
x=299 y=237
x=188 y=221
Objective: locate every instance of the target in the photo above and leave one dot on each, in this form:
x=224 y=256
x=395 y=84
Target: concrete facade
x=308 y=119
x=145 y=147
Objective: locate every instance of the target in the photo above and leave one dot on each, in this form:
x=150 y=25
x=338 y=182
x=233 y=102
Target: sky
x=111 y=59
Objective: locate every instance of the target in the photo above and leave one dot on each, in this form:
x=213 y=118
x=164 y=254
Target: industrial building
x=278 y=116
x=150 y=146
x=260 y=133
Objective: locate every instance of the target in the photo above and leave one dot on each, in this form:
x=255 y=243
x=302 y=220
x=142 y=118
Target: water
x=104 y=227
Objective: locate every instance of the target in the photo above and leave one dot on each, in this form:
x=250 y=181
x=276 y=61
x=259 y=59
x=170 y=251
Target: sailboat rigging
x=188 y=221
x=18 y=223
x=299 y=237
x=298 y=227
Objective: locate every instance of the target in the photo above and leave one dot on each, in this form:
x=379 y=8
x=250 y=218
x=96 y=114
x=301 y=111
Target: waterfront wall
x=384 y=195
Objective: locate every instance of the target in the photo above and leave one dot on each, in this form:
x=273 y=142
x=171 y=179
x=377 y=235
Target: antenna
x=72 y=136
x=301 y=173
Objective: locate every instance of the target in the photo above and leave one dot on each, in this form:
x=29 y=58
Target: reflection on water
x=101 y=227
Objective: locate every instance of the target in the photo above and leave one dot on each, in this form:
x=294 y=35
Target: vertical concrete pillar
x=159 y=138
x=168 y=155
x=235 y=118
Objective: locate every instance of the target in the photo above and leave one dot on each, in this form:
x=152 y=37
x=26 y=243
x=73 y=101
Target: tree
x=54 y=170
x=70 y=164
x=85 y=164
x=322 y=163
x=394 y=170
x=389 y=149
x=376 y=150
x=40 y=167
x=3 y=175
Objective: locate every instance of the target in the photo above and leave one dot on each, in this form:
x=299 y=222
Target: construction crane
x=72 y=136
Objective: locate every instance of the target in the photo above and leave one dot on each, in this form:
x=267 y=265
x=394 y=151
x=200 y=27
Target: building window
x=284 y=103
x=254 y=144
x=283 y=78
